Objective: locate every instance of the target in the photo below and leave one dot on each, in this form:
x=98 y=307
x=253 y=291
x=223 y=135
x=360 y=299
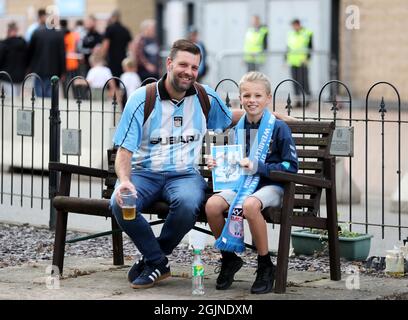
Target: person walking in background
x=13 y=59
x=42 y=17
x=72 y=57
x=46 y=52
x=79 y=28
x=91 y=39
x=145 y=51
x=115 y=43
x=99 y=74
x=203 y=68
x=299 y=46
x=255 y=44
x=129 y=77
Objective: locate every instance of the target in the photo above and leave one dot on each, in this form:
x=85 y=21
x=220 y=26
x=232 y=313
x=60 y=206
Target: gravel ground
x=25 y=243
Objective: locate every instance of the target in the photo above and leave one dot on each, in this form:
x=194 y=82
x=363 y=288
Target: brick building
x=377 y=50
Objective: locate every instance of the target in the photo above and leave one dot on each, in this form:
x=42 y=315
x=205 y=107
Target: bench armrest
x=80 y=170
x=283 y=177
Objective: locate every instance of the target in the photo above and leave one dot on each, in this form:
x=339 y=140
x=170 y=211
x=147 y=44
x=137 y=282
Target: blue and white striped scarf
x=232 y=236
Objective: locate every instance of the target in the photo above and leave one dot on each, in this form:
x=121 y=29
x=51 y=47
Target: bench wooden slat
x=299 y=179
x=304 y=203
x=310 y=165
x=206 y=173
x=80 y=170
x=273 y=216
x=107 y=193
x=96 y=207
x=313 y=127
x=301 y=190
x=110 y=182
x=311 y=141
x=309 y=153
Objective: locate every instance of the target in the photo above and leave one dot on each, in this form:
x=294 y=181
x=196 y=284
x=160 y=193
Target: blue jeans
x=183 y=191
x=46 y=82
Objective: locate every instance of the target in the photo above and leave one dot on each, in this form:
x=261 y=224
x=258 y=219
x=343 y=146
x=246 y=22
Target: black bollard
x=55 y=134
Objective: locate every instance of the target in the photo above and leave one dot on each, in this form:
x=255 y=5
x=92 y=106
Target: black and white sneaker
x=152 y=274
x=136 y=269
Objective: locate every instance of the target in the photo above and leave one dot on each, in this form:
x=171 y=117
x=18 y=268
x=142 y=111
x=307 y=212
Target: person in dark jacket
x=203 y=67
x=90 y=41
x=13 y=59
x=115 y=44
x=46 y=52
x=145 y=50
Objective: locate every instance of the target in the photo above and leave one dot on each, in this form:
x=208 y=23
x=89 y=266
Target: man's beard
x=176 y=83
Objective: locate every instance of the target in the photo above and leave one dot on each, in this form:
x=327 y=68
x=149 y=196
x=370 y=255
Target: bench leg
x=59 y=242
x=284 y=239
x=334 y=248
x=117 y=244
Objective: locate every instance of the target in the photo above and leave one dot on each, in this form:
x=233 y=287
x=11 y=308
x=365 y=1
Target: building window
x=71 y=8
x=2 y=7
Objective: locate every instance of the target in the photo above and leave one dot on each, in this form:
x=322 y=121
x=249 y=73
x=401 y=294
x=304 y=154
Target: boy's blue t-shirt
x=281 y=154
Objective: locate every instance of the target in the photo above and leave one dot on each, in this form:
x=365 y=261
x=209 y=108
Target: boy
x=129 y=77
x=279 y=154
x=98 y=75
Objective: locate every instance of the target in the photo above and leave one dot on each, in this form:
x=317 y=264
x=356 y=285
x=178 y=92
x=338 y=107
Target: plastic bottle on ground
x=197 y=275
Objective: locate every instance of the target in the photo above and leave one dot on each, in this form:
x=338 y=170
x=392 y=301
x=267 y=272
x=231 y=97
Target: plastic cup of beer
x=128 y=205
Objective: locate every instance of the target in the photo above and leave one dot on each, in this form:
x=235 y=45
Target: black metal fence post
x=55 y=132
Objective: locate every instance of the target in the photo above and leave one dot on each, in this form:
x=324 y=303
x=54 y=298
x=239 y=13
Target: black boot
x=265 y=276
x=230 y=264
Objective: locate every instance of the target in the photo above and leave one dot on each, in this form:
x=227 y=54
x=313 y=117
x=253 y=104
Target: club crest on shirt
x=178 y=121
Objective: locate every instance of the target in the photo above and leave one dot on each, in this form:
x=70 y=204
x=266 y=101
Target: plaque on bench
x=342 y=142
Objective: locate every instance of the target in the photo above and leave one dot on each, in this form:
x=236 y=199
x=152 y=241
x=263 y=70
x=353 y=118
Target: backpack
x=151 y=99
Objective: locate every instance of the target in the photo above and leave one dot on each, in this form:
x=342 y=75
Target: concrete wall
x=378 y=50
x=134 y=12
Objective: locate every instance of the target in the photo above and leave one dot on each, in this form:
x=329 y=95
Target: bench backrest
x=312 y=139
x=111 y=180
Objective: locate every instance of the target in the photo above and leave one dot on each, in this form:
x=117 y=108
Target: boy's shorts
x=270 y=196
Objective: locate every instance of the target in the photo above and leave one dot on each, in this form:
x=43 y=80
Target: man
x=298 y=54
x=157 y=159
x=13 y=59
x=115 y=44
x=146 y=51
x=46 y=52
x=90 y=40
x=203 y=68
x=42 y=17
x=255 y=45
x=71 y=41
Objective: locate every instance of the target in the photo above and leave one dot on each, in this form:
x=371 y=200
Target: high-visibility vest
x=254 y=45
x=72 y=58
x=298 y=47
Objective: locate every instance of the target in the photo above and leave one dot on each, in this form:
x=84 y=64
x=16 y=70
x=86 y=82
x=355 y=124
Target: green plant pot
x=353 y=248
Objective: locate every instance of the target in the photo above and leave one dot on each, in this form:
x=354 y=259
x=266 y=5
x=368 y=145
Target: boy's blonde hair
x=128 y=63
x=256 y=76
x=147 y=23
x=96 y=58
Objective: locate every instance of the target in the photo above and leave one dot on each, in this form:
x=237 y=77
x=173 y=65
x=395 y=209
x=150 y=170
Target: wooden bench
x=301 y=202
